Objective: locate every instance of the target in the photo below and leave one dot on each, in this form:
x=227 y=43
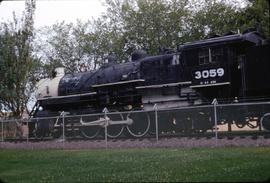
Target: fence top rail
x=211 y=106
x=244 y=104
x=25 y=120
x=137 y=111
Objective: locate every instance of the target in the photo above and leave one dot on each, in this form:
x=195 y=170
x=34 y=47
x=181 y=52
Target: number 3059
x=209 y=73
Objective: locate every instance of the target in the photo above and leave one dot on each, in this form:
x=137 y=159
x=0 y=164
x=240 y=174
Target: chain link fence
x=213 y=120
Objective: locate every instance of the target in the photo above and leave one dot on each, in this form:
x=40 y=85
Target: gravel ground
x=182 y=142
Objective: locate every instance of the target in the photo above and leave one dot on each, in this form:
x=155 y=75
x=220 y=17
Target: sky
x=49 y=12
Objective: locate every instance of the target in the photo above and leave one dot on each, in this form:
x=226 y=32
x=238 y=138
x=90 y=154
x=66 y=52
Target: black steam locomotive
x=227 y=68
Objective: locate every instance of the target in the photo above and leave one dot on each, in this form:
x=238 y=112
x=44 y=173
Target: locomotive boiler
x=228 y=67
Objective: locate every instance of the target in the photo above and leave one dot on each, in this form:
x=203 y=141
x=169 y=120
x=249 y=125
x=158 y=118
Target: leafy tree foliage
x=127 y=25
x=146 y=24
x=59 y=48
x=72 y=46
x=213 y=17
x=256 y=14
x=17 y=74
x=219 y=17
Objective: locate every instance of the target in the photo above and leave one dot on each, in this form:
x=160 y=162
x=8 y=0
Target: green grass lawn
x=197 y=164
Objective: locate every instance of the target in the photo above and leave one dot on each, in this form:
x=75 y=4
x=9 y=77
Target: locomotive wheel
x=90 y=132
x=265 y=121
x=114 y=131
x=140 y=125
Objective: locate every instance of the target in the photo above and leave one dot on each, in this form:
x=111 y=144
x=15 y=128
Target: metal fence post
x=2 y=126
x=63 y=113
x=215 y=116
x=27 y=135
x=63 y=126
x=36 y=128
x=105 y=110
x=16 y=126
x=156 y=120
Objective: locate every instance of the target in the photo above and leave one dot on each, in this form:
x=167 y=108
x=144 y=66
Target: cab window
x=210 y=55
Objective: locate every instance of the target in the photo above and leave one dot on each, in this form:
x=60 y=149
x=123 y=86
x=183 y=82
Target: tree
x=140 y=24
x=213 y=17
x=60 y=48
x=147 y=24
x=17 y=74
x=72 y=45
x=219 y=17
x=255 y=14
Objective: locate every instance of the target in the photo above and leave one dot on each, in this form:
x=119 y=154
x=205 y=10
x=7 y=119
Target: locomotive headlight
x=129 y=107
x=239 y=66
x=174 y=121
x=124 y=76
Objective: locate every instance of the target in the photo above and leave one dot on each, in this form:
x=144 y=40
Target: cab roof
x=254 y=38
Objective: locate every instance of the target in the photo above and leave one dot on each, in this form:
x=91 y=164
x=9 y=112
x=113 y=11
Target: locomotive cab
x=217 y=66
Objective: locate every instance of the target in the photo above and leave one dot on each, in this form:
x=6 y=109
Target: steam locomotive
x=226 y=68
